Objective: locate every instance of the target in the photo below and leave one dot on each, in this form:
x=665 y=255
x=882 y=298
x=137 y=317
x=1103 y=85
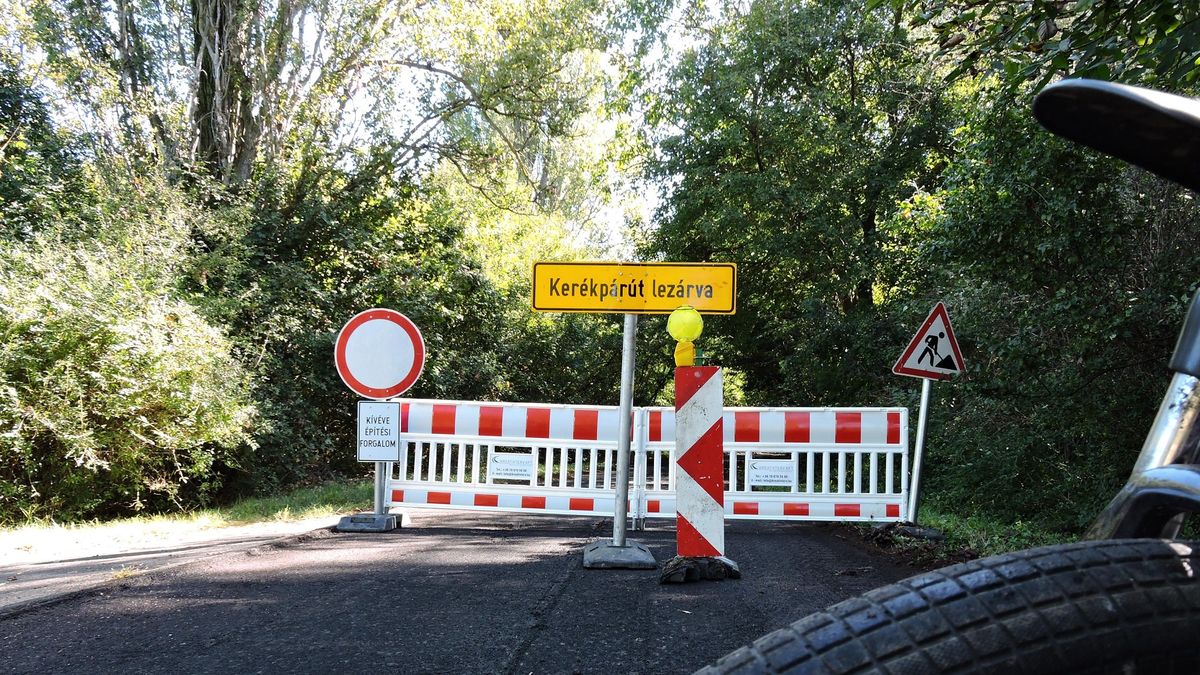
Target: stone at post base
x=921 y=532
x=682 y=569
x=884 y=533
x=602 y=555
x=370 y=522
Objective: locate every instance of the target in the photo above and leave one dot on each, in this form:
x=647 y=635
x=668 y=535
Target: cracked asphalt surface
x=455 y=592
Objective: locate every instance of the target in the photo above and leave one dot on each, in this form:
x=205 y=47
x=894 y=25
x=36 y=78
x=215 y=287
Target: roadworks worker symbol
x=933 y=352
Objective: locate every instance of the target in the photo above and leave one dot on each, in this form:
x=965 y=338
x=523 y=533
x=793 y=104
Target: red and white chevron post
x=700 y=449
x=700 y=478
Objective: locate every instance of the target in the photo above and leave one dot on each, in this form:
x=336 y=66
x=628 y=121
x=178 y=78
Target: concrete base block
x=367 y=522
x=680 y=570
x=602 y=555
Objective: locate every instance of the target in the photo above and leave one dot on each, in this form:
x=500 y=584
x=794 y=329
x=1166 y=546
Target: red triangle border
x=899 y=369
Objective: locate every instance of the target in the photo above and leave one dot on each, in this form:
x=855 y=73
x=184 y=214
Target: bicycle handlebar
x=1156 y=131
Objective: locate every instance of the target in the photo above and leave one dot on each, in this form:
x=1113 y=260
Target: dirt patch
x=902 y=548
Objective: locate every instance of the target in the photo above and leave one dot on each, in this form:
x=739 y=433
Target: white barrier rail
x=781 y=463
x=796 y=463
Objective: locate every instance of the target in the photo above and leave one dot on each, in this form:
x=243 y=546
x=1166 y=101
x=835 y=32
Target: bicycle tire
x=1122 y=606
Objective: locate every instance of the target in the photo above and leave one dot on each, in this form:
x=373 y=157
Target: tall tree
x=222 y=84
x=1153 y=42
x=802 y=126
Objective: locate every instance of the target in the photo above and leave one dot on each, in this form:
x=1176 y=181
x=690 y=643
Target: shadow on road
x=454 y=593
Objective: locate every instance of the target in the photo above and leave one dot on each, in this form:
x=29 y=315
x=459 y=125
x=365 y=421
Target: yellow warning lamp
x=685 y=325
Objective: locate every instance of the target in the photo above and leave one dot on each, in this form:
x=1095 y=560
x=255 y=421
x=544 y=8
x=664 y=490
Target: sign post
x=621 y=553
x=932 y=354
x=624 y=423
x=379 y=354
x=918 y=451
x=630 y=289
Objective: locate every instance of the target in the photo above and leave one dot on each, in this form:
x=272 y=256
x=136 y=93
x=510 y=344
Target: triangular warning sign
x=933 y=352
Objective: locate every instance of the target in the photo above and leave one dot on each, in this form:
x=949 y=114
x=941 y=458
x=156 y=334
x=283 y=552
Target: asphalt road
x=452 y=593
x=39 y=567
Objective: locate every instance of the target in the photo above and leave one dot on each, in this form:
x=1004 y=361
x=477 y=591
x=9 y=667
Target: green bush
x=1067 y=275
x=115 y=394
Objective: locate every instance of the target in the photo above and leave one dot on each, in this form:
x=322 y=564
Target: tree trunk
x=136 y=81
x=224 y=94
x=208 y=29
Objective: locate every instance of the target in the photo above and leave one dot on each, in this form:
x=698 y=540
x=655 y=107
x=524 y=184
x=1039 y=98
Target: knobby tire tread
x=1089 y=607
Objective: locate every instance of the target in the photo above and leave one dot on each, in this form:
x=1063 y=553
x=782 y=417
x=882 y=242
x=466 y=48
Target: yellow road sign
x=634 y=288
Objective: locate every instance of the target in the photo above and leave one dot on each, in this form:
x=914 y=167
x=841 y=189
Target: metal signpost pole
x=920 y=447
x=380 y=486
x=621 y=553
x=625 y=419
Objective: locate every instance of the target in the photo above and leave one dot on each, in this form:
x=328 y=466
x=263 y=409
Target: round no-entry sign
x=379 y=353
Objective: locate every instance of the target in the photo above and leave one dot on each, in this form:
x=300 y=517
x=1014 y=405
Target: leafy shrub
x=1067 y=275
x=115 y=394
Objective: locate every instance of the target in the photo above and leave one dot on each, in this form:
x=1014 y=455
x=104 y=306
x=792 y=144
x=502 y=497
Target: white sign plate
x=378 y=431
x=510 y=466
x=772 y=473
x=933 y=353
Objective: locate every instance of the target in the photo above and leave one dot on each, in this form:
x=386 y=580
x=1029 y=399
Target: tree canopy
x=195 y=196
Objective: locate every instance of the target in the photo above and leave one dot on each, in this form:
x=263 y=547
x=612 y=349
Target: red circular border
x=414 y=333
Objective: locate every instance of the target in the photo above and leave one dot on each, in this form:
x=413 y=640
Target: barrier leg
x=641 y=434
x=699 y=479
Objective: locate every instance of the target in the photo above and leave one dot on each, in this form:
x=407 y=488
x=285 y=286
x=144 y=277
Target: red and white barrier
x=506 y=501
x=845 y=464
x=558 y=422
x=700 y=455
x=878 y=426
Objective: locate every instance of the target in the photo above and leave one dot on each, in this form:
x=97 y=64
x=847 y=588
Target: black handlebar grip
x=1186 y=358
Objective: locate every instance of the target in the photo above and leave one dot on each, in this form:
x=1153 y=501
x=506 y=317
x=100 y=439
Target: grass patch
x=330 y=499
x=320 y=501
x=986 y=537
x=966 y=538
x=127 y=571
